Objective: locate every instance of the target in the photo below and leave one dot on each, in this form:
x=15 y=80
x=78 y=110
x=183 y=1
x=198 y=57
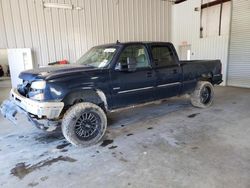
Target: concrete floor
x=5 y=85
x=170 y=144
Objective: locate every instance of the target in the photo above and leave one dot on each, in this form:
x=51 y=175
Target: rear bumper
x=217 y=79
x=48 y=110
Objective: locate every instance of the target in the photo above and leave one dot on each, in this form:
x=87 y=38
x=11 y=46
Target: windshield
x=98 y=57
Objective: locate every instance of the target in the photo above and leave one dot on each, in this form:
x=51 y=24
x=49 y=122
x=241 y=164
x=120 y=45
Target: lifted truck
x=78 y=96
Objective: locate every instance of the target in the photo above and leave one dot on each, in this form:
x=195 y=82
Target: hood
x=50 y=72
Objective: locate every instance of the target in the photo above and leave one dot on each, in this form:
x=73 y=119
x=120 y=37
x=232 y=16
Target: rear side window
x=163 y=56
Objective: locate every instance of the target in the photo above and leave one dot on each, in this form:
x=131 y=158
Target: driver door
x=137 y=86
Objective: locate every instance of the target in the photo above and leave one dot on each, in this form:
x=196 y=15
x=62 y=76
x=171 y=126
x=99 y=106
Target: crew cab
x=78 y=96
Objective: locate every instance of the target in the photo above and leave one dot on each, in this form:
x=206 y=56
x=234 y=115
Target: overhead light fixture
x=58 y=5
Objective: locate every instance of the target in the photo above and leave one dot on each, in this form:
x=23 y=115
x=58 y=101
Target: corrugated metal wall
x=239 y=53
x=55 y=34
x=186 y=30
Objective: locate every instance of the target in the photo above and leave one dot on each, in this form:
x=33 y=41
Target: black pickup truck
x=78 y=96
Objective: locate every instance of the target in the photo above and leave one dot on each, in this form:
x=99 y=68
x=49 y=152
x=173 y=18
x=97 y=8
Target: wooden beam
x=210 y=4
x=179 y=1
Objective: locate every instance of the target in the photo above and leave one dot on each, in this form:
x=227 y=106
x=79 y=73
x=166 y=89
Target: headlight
x=38 y=85
x=37 y=90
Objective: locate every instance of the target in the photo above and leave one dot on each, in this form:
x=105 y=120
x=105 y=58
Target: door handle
x=149 y=73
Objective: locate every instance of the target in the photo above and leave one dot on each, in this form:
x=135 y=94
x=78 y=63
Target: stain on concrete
x=123 y=159
x=21 y=169
x=43 y=154
x=122 y=125
x=113 y=147
x=195 y=148
x=130 y=134
x=33 y=184
x=97 y=151
x=44 y=178
x=150 y=128
x=217 y=110
x=193 y=115
x=106 y=142
x=10 y=136
x=46 y=138
x=61 y=146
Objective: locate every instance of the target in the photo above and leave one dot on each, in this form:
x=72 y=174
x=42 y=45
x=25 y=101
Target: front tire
x=203 y=95
x=84 y=124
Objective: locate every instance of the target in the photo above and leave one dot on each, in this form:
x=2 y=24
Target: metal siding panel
x=26 y=23
x=143 y=20
x=42 y=32
x=70 y=31
x=9 y=24
x=116 y=21
x=3 y=37
x=89 y=29
x=63 y=32
x=17 y=22
x=239 y=53
x=54 y=34
x=31 y=10
x=92 y=20
x=57 y=32
x=50 y=34
x=77 y=34
x=83 y=28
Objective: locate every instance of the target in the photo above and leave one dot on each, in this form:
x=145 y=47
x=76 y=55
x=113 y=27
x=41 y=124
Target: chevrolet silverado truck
x=78 y=96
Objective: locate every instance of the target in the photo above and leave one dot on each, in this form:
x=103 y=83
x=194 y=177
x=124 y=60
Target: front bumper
x=19 y=103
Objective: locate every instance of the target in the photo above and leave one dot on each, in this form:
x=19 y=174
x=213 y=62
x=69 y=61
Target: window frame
x=170 y=49
x=146 y=53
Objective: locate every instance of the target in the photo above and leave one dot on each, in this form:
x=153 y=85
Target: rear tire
x=203 y=95
x=84 y=124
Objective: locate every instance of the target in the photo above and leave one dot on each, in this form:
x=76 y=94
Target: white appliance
x=20 y=59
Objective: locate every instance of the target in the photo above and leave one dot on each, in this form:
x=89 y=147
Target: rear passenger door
x=168 y=71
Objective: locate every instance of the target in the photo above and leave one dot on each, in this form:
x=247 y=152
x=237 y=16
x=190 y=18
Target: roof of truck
x=133 y=42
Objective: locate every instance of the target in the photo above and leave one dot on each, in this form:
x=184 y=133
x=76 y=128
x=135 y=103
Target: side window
x=163 y=56
x=138 y=52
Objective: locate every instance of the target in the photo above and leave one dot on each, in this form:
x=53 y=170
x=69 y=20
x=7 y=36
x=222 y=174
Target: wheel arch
x=95 y=96
x=206 y=77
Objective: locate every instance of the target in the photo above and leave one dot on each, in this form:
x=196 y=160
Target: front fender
x=95 y=96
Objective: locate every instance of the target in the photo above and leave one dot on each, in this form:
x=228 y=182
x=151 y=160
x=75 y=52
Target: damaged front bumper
x=20 y=104
x=9 y=110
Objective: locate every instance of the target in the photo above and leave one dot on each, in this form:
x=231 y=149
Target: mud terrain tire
x=203 y=95
x=84 y=124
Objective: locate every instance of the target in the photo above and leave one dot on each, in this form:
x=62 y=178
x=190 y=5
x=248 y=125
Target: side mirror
x=129 y=66
x=132 y=64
